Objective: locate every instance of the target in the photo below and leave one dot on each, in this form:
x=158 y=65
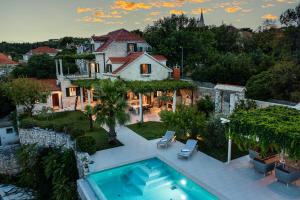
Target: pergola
x=141 y=87
x=275 y=125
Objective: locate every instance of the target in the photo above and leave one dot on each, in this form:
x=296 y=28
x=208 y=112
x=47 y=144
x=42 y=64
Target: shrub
x=27 y=123
x=215 y=133
x=205 y=105
x=75 y=132
x=86 y=144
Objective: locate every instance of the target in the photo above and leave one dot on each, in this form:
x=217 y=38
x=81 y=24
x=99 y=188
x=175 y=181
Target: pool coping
x=171 y=164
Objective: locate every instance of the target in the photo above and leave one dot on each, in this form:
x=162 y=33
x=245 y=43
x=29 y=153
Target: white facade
x=8 y=134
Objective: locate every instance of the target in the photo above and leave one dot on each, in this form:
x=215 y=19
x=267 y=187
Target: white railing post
x=174 y=101
x=141 y=107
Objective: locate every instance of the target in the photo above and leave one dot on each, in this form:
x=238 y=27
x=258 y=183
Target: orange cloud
x=154 y=13
x=232 y=9
x=130 y=6
x=84 y=10
x=168 y=4
x=269 y=17
x=177 y=12
x=101 y=14
x=197 y=11
x=91 y=19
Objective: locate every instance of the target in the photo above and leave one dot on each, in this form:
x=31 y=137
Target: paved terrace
x=235 y=181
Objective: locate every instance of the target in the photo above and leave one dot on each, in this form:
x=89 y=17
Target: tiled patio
x=236 y=181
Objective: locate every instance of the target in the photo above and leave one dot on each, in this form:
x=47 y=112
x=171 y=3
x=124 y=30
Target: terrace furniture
x=253 y=154
x=286 y=174
x=166 y=139
x=265 y=165
x=189 y=148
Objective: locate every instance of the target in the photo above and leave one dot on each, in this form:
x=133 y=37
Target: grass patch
x=149 y=130
x=76 y=120
x=154 y=130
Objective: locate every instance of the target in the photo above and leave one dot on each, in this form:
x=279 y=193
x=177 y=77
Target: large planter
x=264 y=166
x=286 y=175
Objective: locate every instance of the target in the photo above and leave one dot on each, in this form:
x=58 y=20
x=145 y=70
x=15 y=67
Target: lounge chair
x=166 y=139
x=266 y=165
x=188 y=150
x=286 y=174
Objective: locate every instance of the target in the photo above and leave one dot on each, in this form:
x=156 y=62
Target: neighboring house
x=6 y=64
x=39 y=51
x=8 y=134
x=54 y=100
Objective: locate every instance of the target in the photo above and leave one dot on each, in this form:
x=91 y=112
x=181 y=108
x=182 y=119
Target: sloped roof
x=118 y=35
x=129 y=59
x=5 y=60
x=51 y=83
x=44 y=49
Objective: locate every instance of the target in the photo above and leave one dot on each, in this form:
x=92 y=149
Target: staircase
x=147 y=177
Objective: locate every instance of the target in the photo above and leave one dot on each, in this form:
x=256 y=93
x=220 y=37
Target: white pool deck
x=234 y=181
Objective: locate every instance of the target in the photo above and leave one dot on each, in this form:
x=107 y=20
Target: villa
x=39 y=51
x=6 y=64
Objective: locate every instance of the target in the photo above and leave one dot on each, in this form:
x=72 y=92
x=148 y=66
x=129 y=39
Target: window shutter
x=141 y=68
x=149 y=69
x=135 y=47
x=78 y=91
x=67 y=92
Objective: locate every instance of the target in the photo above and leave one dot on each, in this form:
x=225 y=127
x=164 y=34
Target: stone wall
x=45 y=138
x=8 y=160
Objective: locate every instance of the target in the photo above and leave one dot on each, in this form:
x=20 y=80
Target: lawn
x=149 y=130
x=154 y=130
x=76 y=120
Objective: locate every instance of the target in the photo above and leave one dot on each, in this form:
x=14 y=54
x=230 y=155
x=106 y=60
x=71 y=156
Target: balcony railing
x=80 y=76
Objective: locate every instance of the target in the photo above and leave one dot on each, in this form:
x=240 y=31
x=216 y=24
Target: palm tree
x=111 y=109
x=89 y=113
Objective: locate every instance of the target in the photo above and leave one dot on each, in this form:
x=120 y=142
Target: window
x=145 y=68
x=97 y=68
x=131 y=47
x=72 y=91
x=9 y=130
x=108 y=68
x=140 y=49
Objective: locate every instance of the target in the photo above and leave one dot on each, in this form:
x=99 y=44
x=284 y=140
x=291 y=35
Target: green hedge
x=277 y=126
x=86 y=144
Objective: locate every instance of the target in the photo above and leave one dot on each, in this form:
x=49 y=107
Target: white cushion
x=164 y=140
x=185 y=150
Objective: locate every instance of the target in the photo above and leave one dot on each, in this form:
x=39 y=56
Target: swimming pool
x=150 y=179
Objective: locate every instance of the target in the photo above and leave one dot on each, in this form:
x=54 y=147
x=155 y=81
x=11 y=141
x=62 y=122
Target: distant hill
x=16 y=50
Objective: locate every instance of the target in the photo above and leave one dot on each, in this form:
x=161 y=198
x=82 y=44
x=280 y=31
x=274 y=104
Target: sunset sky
x=37 y=20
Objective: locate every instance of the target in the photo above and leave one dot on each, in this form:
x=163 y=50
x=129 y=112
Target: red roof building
x=6 y=60
x=121 y=35
x=44 y=50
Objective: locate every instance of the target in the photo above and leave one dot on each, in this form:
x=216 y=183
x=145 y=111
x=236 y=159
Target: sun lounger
x=188 y=150
x=166 y=139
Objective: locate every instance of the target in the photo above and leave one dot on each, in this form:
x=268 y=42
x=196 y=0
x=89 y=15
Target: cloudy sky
x=37 y=20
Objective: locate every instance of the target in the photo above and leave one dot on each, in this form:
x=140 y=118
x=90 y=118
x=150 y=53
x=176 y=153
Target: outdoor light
x=183 y=197
x=183 y=182
x=224 y=120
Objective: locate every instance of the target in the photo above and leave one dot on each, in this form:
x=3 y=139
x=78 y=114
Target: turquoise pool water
x=150 y=179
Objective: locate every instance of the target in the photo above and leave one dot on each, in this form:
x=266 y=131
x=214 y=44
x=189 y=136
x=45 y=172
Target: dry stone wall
x=45 y=138
x=8 y=160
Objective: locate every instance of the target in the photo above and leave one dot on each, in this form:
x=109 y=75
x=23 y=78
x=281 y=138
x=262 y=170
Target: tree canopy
x=26 y=92
x=225 y=54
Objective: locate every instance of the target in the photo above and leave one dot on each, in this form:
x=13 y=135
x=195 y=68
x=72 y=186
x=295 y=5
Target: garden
x=74 y=123
x=197 y=122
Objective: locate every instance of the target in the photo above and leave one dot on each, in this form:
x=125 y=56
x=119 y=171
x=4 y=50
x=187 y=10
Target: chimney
x=176 y=73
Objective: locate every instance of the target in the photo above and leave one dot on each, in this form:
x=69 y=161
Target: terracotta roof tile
x=50 y=82
x=5 y=60
x=129 y=59
x=159 y=57
x=44 y=49
x=118 y=35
